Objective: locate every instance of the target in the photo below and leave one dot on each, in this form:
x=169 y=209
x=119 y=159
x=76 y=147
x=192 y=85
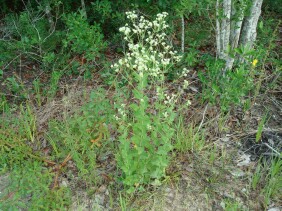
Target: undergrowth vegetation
x=102 y=108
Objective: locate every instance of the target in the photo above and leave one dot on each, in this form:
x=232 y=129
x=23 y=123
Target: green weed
x=267 y=179
x=4 y=105
x=28 y=121
x=54 y=83
x=227 y=90
x=29 y=188
x=37 y=91
x=29 y=181
x=83 y=134
x=230 y=205
x=273 y=181
x=16 y=137
x=27 y=37
x=260 y=128
x=188 y=139
x=122 y=202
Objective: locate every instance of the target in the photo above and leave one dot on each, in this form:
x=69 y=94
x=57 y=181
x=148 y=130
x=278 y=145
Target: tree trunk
x=234 y=27
x=249 y=32
x=182 y=33
x=83 y=8
x=49 y=17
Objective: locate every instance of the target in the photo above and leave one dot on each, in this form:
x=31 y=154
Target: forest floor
x=218 y=177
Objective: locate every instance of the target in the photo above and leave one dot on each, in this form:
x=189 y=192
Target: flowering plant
x=145 y=123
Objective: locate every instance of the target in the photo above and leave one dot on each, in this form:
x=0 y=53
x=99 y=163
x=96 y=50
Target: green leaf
x=134 y=106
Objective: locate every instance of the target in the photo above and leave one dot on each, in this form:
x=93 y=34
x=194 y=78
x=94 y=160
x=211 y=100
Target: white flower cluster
x=170 y=100
x=185 y=72
x=131 y=15
x=185 y=85
x=121 y=113
x=126 y=30
x=151 y=53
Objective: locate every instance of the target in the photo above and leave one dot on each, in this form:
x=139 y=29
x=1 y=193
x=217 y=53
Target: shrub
x=27 y=36
x=83 y=39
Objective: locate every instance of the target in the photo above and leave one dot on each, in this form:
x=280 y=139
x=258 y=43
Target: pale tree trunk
x=249 y=32
x=225 y=27
x=49 y=16
x=218 y=34
x=83 y=8
x=235 y=27
x=182 y=33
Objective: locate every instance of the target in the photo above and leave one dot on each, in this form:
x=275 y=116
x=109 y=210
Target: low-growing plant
x=17 y=137
x=231 y=205
x=191 y=57
x=29 y=188
x=28 y=121
x=260 y=128
x=187 y=138
x=267 y=179
x=54 y=83
x=14 y=85
x=83 y=134
x=273 y=181
x=225 y=90
x=37 y=91
x=4 y=105
x=12 y=145
x=1 y=71
x=122 y=202
x=256 y=177
x=145 y=122
x=212 y=154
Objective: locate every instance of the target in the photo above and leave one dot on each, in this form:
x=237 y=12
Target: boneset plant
x=145 y=120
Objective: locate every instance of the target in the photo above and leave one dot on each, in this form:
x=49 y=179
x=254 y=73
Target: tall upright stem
x=182 y=33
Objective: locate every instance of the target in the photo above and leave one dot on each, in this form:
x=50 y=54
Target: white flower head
x=148 y=49
x=185 y=85
x=188 y=103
